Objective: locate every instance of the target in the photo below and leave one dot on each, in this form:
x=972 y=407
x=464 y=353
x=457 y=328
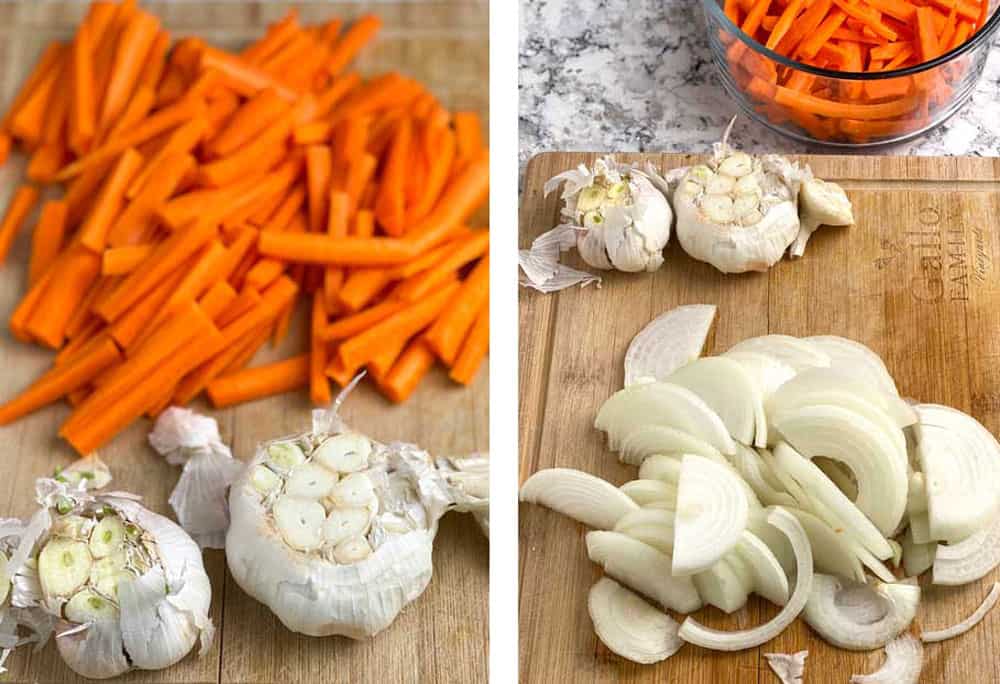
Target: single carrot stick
x=927 y=35
x=218 y=298
x=390 y=206
x=59 y=381
x=168 y=255
x=341 y=87
x=362 y=348
x=156 y=62
x=263 y=381
x=49 y=61
x=83 y=319
x=136 y=221
x=72 y=278
x=278 y=34
x=349 y=326
x=18 y=322
x=359 y=172
x=132 y=326
x=163 y=120
x=356 y=37
x=83 y=119
x=464 y=252
x=124 y=260
x=47 y=239
x=82 y=191
x=463 y=195
x=411 y=367
x=474 y=349
x=131 y=51
x=361 y=287
x=238 y=71
x=206 y=271
x=86 y=340
x=871 y=20
x=108 y=205
x=468 y=134
x=333 y=277
x=784 y=23
x=441 y=154
x=322 y=249
x=364 y=224
x=246 y=300
x=17 y=211
x=319 y=386
x=383 y=362
x=449 y=331
x=181 y=142
x=823 y=107
x=811 y=45
x=248 y=122
x=46 y=162
x=26 y=121
x=319 y=166
x=806 y=25
x=57 y=108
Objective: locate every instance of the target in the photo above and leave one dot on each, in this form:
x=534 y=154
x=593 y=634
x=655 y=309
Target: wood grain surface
x=443 y=636
x=916 y=279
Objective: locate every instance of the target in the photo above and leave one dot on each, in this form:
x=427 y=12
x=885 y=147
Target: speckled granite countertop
x=637 y=75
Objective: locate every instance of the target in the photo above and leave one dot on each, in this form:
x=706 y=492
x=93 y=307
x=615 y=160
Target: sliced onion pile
x=786 y=467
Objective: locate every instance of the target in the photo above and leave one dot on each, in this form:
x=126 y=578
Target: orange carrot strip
x=382 y=92
x=18 y=322
x=319 y=386
x=362 y=348
x=60 y=381
x=837 y=110
x=356 y=37
x=359 y=172
x=47 y=239
x=248 y=122
x=333 y=277
x=322 y=249
x=218 y=298
x=462 y=252
x=252 y=78
x=133 y=326
x=167 y=256
x=383 y=362
x=26 y=121
x=278 y=34
x=138 y=218
x=411 y=367
x=136 y=110
x=247 y=299
x=319 y=166
x=83 y=119
x=464 y=194
x=468 y=133
x=870 y=19
x=263 y=381
x=181 y=142
x=811 y=45
x=784 y=23
x=474 y=349
x=107 y=206
x=203 y=274
x=441 y=153
x=49 y=61
x=130 y=55
x=364 y=224
x=355 y=324
x=927 y=35
x=337 y=91
x=312 y=133
x=282 y=324
x=156 y=62
x=17 y=211
x=123 y=260
x=390 y=209
x=361 y=286
x=248 y=348
x=449 y=331
x=46 y=162
x=72 y=278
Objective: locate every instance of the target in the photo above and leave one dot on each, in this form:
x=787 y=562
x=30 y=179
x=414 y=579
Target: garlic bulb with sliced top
x=121 y=587
x=622 y=220
x=738 y=212
x=334 y=531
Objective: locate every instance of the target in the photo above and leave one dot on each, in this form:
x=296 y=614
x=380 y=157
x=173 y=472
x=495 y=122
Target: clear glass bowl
x=847 y=109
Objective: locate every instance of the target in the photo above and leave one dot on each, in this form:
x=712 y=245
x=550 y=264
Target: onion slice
x=904 y=659
x=855 y=357
x=712 y=513
x=960 y=461
x=650 y=526
x=852 y=628
x=642 y=568
x=753 y=470
x=649 y=440
x=970 y=559
x=668 y=342
x=797 y=353
x=696 y=633
x=768 y=372
x=587 y=499
x=789 y=668
x=729 y=391
x=769 y=579
x=968 y=623
x=649 y=492
x=726 y=585
x=629 y=626
x=661 y=403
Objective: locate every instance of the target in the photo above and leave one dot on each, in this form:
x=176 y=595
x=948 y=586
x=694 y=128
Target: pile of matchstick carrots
x=197 y=195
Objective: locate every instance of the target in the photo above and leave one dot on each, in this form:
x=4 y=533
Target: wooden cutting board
x=443 y=636
x=915 y=279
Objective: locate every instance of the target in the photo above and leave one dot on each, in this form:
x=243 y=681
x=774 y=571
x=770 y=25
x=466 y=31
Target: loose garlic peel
x=334 y=531
x=122 y=587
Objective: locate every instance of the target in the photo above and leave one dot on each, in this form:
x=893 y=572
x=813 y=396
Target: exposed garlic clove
x=700 y=175
x=107 y=572
x=737 y=165
x=63 y=566
x=345 y=453
x=352 y=550
x=718 y=208
x=748 y=185
x=87 y=606
x=300 y=522
x=689 y=189
x=107 y=537
x=285 y=455
x=72 y=527
x=355 y=491
x=394 y=524
x=618 y=191
x=343 y=523
x=310 y=481
x=264 y=480
x=751 y=218
x=746 y=205
x=721 y=185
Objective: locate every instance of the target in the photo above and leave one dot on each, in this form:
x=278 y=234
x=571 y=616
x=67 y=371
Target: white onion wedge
x=917 y=558
x=728 y=390
x=768 y=372
x=754 y=472
x=836 y=626
x=789 y=668
x=642 y=568
x=661 y=403
x=769 y=579
x=712 y=512
x=960 y=460
x=904 y=659
x=970 y=559
x=776 y=541
x=831 y=552
x=725 y=585
x=659 y=467
x=968 y=623
x=691 y=630
x=848 y=437
x=650 y=526
x=629 y=626
x=855 y=357
x=647 y=492
x=668 y=342
x=649 y=440
x=821 y=488
x=578 y=495
x=797 y=353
